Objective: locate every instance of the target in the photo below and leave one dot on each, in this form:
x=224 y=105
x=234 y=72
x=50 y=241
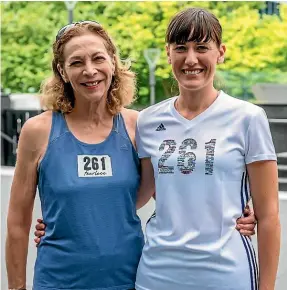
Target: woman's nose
x=191 y=57
x=90 y=70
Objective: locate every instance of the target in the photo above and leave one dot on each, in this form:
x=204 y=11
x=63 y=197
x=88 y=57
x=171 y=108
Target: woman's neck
x=91 y=112
x=191 y=103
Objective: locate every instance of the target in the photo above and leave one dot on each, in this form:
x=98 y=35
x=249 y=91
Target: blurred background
x=255 y=69
x=254 y=33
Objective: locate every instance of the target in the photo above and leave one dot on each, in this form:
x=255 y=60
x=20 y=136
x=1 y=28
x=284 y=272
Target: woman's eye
x=180 y=48
x=202 y=48
x=99 y=58
x=75 y=63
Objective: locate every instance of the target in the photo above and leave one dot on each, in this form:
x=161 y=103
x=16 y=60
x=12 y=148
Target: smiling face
x=194 y=48
x=194 y=63
x=88 y=67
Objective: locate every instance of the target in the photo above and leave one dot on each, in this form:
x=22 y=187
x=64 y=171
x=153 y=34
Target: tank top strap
x=119 y=126
x=59 y=126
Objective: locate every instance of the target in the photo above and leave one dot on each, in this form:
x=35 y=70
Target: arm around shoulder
x=147 y=184
x=32 y=143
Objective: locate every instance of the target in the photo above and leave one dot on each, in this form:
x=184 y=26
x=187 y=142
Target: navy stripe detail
x=253 y=269
x=257 y=272
x=254 y=262
x=250 y=266
x=152 y=216
x=242 y=197
x=247 y=239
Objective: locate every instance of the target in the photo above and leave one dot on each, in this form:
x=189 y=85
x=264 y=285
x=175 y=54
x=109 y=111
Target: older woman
x=81 y=153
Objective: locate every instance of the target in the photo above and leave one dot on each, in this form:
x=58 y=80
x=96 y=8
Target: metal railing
x=12 y=123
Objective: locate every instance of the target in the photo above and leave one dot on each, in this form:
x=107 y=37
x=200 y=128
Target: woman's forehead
x=87 y=43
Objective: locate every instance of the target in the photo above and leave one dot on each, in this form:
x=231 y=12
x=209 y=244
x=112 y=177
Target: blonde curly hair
x=57 y=95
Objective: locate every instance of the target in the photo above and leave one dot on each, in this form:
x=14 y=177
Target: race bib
x=94 y=166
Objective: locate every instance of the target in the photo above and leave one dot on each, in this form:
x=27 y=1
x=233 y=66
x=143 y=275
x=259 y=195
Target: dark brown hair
x=194 y=24
x=59 y=96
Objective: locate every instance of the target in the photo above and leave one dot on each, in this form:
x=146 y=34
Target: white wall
x=144 y=213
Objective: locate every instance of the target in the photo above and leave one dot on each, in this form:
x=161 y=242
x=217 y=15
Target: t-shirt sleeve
x=140 y=139
x=259 y=144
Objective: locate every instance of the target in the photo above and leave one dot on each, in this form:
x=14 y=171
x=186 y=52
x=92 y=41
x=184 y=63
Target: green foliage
x=256 y=46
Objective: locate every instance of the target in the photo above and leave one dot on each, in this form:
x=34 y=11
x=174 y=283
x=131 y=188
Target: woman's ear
x=168 y=54
x=222 y=50
x=62 y=73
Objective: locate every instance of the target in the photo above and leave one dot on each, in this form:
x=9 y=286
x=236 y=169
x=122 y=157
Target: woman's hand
x=40 y=231
x=246 y=224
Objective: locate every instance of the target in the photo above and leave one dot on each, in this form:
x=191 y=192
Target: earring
x=220 y=60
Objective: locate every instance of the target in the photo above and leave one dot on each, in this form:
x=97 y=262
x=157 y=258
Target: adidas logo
x=160 y=127
x=124 y=147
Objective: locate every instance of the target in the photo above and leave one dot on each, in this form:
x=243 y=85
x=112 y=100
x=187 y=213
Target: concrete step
x=282 y=170
x=278 y=129
x=282 y=158
x=282 y=184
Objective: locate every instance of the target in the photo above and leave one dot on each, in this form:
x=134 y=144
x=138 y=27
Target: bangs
x=195 y=25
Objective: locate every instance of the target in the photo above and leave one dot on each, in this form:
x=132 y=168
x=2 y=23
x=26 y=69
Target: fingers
x=248 y=216
x=37 y=241
x=247 y=220
x=39 y=234
x=246 y=227
x=40 y=227
x=248 y=211
x=247 y=233
x=40 y=231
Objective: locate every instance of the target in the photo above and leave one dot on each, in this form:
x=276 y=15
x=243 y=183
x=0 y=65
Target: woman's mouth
x=192 y=71
x=91 y=85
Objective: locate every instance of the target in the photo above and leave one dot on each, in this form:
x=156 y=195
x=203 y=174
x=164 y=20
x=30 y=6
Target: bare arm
x=22 y=197
x=264 y=189
x=147 y=184
x=146 y=189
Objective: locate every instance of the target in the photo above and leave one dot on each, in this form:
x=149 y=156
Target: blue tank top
x=88 y=192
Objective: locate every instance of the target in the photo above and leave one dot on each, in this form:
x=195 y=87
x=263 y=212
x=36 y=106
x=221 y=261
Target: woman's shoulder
x=130 y=116
x=244 y=107
x=36 y=130
x=39 y=123
x=156 y=110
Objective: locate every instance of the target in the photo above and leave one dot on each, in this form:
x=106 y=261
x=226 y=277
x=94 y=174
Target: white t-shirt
x=201 y=189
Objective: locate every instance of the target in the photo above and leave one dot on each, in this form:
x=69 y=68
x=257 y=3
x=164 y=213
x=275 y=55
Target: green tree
x=256 y=46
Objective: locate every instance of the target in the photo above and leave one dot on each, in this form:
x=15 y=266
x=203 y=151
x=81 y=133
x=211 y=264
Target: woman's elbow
x=271 y=221
x=18 y=225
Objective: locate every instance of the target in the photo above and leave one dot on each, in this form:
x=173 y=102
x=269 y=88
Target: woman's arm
x=263 y=179
x=22 y=196
x=147 y=184
x=146 y=189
